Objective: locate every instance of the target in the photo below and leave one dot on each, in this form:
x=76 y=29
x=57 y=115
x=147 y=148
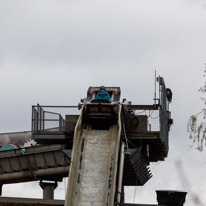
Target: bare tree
x=197 y=123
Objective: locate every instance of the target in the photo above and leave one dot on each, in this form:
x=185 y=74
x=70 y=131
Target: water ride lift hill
x=101 y=145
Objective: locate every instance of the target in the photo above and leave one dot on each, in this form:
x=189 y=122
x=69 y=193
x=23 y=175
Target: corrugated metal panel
x=136 y=171
x=30 y=160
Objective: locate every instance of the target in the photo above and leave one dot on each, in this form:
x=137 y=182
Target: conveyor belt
x=92 y=176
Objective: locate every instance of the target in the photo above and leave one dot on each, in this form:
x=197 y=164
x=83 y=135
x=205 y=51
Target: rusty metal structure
x=101 y=146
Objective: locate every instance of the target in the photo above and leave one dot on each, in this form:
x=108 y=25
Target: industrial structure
x=102 y=147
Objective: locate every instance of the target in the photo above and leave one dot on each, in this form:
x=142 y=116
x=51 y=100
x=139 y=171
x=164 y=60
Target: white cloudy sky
x=52 y=51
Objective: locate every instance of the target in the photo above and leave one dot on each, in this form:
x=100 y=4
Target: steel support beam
x=32 y=175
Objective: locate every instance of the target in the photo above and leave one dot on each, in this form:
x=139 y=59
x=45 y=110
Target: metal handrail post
x=43 y=119
x=40 y=118
x=32 y=119
x=121 y=168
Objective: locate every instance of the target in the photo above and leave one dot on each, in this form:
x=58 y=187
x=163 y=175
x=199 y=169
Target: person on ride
x=102 y=94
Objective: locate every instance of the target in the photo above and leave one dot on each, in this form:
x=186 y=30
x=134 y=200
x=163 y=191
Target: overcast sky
x=52 y=51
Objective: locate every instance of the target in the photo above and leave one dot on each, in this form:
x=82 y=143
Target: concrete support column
x=48 y=190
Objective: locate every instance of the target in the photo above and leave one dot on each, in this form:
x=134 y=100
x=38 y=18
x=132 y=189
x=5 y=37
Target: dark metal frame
x=164 y=119
x=165 y=114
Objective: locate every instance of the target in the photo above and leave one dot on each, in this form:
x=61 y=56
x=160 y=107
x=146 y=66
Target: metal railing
x=153 y=122
x=158 y=115
x=44 y=121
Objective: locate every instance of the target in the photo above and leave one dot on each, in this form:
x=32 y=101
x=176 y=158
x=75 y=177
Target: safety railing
x=145 y=118
x=48 y=122
x=158 y=117
x=153 y=119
